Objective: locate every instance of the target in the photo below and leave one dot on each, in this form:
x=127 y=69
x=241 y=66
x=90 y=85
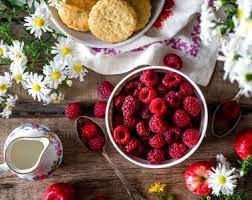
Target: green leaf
x=248 y=77
x=170 y=197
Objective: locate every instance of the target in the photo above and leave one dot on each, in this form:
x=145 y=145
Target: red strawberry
x=62 y=191
x=100 y=109
x=243 y=144
x=105 y=89
x=73 y=110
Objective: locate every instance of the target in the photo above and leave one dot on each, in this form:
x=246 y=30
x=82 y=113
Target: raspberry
x=96 y=144
x=173 y=61
x=149 y=78
x=130 y=106
x=171 y=80
x=131 y=86
x=231 y=110
x=89 y=130
x=158 y=106
x=121 y=135
x=132 y=145
x=73 y=110
x=192 y=106
x=156 y=156
x=161 y=90
x=140 y=150
x=138 y=90
x=157 y=125
x=147 y=94
x=117 y=119
x=172 y=135
x=186 y=89
x=100 y=109
x=118 y=102
x=142 y=129
x=173 y=99
x=191 y=137
x=177 y=150
x=130 y=122
x=157 y=141
x=105 y=90
x=181 y=118
x=145 y=112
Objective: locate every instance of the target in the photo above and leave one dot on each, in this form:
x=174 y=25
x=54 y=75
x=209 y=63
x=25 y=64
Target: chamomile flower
x=36 y=86
x=56 y=3
x=3 y=50
x=9 y=103
x=76 y=70
x=5 y=83
x=16 y=53
x=38 y=22
x=64 y=51
x=55 y=98
x=55 y=74
x=19 y=74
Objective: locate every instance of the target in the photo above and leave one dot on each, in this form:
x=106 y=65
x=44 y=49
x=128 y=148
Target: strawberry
x=62 y=191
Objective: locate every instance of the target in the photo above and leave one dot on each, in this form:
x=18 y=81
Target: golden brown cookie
x=143 y=11
x=74 y=18
x=82 y=4
x=112 y=20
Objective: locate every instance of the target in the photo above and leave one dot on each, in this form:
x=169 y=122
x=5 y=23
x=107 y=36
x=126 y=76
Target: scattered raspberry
x=149 y=78
x=99 y=198
x=191 y=137
x=158 y=106
x=156 y=156
x=73 y=110
x=132 y=145
x=100 y=109
x=118 y=102
x=171 y=80
x=121 y=135
x=173 y=61
x=157 y=141
x=145 y=112
x=231 y=110
x=177 y=150
x=172 y=135
x=186 y=89
x=147 y=94
x=130 y=122
x=161 y=90
x=96 y=144
x=130 y=106
x=157 y=124
x=105 y=90
x=181 y=118
x=173 y=99
x=192 y=106
x=89 y=130
x=142 y=129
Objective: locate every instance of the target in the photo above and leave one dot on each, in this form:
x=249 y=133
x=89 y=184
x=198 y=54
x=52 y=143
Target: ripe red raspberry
x=132 y=145
x=192 y=106
x=130 y=106
x=172 y=80
x=73 y=110
x=117 y=119
x=142 y=129
x=156 y=156
x=132 y=86
x=161 y=90
x=89 y=130
x=177 y=150
x=181 y=118
x=147 y=94
x=231 y=110
x=157 y=124
x=149 y=78
x=173 y=61
x=158 y=106
x=139 y=151
x=130 y=122
x=145 y=112
x=157 y=141
x=121 y=135
x=173 y=99
x=118 y=102
x=100 y=109
x=186 y=89
x=191 y=137
x=96 y=144
x=172 y=135
x=105 y=90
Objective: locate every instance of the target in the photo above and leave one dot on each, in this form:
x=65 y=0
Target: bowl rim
x=204 y=118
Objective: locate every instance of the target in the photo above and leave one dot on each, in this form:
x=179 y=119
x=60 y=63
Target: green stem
x=159 y=195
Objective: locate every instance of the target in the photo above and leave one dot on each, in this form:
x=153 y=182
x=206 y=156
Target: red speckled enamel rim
x=142 y=162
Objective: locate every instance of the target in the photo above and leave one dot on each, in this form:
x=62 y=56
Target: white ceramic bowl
x=90 y=40
x=139 y=161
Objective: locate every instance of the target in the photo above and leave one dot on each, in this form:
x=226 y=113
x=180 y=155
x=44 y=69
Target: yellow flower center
x=3 y=87
x=39 y=22
x=1 y=52
x=66 y=50
x=56 y=75
x=36 y=87
x=240 y=13
x=78 y=68
x=18 y=77
x=222 y=180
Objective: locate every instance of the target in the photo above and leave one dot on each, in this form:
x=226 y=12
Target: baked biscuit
x=143 y=11
x=112 y=20
x=82 y=4
x=74 y=18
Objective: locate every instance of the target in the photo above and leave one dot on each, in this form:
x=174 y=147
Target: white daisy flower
x=222 y=180
x=10 y=102
x=56 y=3
x=16 y=53
x=38 y=22
x=55 y=74
x=3 y=50
x=65 y=50
x=36 y=86
x=55 y=98
x=18 y=74
x=220 y=158
x=76 y=70
x=5 y=83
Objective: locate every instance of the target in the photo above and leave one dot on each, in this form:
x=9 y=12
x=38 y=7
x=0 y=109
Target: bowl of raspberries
x=156 y=117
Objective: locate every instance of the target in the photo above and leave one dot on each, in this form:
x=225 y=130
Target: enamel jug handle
x=3 y=168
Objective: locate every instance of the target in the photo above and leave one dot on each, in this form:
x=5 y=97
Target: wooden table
x=88 y=171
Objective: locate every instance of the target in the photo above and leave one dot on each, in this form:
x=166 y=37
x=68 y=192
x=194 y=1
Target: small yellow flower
x=1 y=51
x=78 y=68
x=39 y=22
x=66 y=50
x=36 y=87
x=240 y=13
x=56 y=75
x=156 y=187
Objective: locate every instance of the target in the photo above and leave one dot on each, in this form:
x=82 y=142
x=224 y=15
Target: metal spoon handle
x=238 y=96
x=132 y=192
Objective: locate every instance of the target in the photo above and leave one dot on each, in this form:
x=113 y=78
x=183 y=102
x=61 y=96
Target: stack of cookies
x=109 y=20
